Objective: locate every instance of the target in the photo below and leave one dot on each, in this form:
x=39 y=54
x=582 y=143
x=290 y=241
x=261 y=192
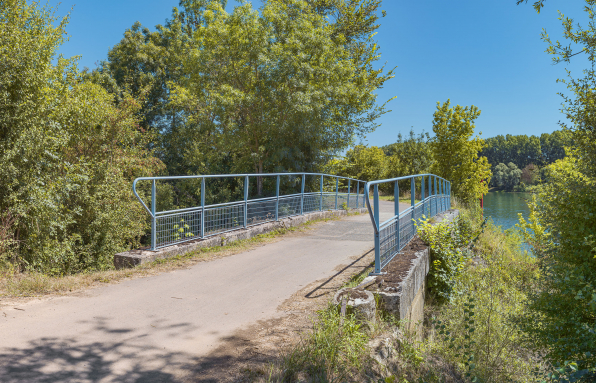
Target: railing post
x=277 y=199
x=377 y=232
x=436 y=197
x=413 y=200
x=336 y=190
x=153 y=218
x=245 y=200
x=357 y=194
x=302 y=194
x=449 y=194
x=321 y=204
x=349 y=184
x=396 y=210
x=203 y=207
x=422 y=195
x=442 y=191
x=430 y=192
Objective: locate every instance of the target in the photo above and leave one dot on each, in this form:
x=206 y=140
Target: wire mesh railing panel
x=389 y=244
x=220 y=219
x=289 y=206
x=312 y=202
x=356 y=201
x=432 y=202
x=426 y=207
x=406 y=227
x=260 y=211
x=418 y=212
x=329 y=201
x=178 y=227
x=342 y=201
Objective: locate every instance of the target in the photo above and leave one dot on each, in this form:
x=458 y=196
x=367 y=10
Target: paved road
x=150 y=329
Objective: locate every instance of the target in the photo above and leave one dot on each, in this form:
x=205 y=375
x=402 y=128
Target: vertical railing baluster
x=396 y=210
x=422 y=195
x=436 y=197
x=336 y=190
x=321 y=204
x=245 y=200
x=302 y=194
x=153 y=218
x=357 y=194
x=377 y=231
x=442 y=195
x=430 y=192
x=203 y=207
x=277 y=199
x=349 y=181
x=413 y=201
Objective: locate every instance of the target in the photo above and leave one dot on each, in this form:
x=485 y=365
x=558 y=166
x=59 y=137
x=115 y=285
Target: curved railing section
x=392 y=235
x=196 y=222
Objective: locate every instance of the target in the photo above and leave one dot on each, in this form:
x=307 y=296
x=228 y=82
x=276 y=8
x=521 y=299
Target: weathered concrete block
x=363 y=307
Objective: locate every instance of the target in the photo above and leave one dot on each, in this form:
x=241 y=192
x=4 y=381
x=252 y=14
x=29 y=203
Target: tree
x=68 y=153
x=563 y=219
x=506 y=176
x=363 y=163
x=272 y=89
x=455 y=152
x=150 y=64
x=412 y=155
x=530 y=175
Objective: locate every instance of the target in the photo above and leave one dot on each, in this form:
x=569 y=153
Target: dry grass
x=32 y=284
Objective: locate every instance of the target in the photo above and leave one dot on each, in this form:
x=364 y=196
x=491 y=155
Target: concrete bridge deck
x=153 y=329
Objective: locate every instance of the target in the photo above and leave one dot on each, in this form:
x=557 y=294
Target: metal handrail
x=393 y=235
x=176 y=220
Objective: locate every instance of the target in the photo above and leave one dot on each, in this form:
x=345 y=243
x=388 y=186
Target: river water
x=504 y=207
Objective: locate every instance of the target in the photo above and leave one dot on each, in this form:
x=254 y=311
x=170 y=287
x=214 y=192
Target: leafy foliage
x=506 y=176
x=448 y=256
x=67 y=152
x=295 y=83
x=456 y=154
x=563 y=222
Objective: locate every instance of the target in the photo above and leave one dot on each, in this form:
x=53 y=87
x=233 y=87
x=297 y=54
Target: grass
x=33 y=284
x=392 y=198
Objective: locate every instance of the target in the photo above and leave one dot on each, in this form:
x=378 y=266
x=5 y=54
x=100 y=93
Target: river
x=504 y=207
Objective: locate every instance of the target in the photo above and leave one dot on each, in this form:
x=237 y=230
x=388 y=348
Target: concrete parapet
x=407 y=303
x=133 y=258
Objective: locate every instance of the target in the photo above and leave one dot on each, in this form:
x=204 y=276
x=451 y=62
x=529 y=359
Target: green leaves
x=67 y=152
x=456 y=153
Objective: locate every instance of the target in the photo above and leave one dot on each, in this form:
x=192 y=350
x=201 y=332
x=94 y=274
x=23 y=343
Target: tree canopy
x=456 y=153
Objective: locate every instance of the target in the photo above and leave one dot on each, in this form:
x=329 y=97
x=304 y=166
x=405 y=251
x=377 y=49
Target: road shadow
x=48 y=360
x=357 y=271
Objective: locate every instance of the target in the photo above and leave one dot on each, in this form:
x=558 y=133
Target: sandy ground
x=204 y=323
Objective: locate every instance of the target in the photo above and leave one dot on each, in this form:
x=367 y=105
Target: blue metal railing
x=182 y=225
x=394 y=234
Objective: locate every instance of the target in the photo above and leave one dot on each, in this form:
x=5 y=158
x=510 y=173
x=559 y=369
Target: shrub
x=447 y=254
x=477 y=329
x=68 y=153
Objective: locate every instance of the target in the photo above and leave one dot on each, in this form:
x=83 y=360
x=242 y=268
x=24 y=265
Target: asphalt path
x=152 y=329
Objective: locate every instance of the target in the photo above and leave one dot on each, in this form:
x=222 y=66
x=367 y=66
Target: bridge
x=190 y=322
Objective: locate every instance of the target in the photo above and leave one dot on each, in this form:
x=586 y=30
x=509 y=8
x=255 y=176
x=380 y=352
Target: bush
x=477 y=329
x=447 y=243
x=68 y=153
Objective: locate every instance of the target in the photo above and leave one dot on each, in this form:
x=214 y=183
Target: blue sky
x=474 y=52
